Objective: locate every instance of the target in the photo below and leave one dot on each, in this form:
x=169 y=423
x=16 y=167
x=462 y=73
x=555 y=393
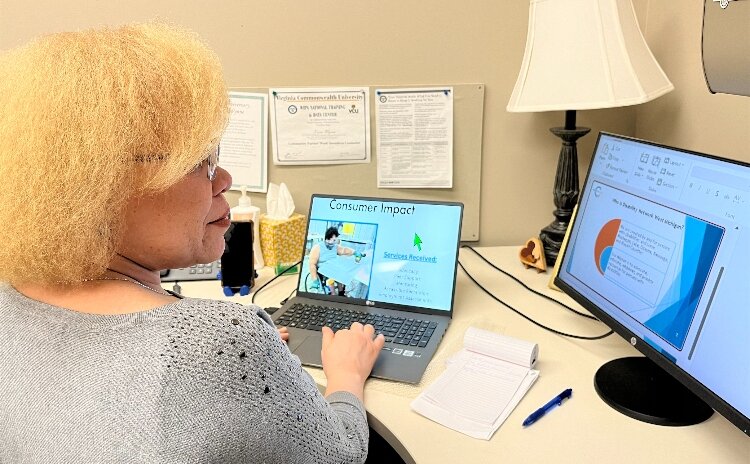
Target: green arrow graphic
x=417 y=242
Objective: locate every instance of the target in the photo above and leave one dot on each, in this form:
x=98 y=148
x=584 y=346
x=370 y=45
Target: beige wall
x=409 y=42
x=690 y=116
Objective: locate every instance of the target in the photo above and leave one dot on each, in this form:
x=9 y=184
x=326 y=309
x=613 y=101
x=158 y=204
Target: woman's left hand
x=284 y=334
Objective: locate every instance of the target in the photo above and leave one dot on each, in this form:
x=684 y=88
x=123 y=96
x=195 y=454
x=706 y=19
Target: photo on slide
x=338 y=258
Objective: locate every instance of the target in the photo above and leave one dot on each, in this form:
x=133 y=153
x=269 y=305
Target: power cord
x=283 y=302
x=283 y=272
x=538 y=324
x=588 y=316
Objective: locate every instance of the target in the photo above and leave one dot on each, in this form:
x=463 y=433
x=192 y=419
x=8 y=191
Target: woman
x=110 y=170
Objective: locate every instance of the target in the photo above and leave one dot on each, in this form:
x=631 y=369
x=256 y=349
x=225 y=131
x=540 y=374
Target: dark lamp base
x=552 y=238
x=565 y=191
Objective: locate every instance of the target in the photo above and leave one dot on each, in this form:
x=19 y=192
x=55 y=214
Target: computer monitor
x=659 y=250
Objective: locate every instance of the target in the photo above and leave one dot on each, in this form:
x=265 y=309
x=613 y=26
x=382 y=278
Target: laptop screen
x=385 y=251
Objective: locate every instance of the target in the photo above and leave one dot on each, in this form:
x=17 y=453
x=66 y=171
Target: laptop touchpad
x=309 y=350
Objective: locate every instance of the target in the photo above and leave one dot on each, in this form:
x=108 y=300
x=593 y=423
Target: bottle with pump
x=241 y=242
x=245 y=211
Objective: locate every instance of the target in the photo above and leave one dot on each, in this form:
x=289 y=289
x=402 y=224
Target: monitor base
x=640 y=389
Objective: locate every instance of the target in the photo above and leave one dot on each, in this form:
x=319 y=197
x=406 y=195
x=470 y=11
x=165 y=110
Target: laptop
x=387 y=262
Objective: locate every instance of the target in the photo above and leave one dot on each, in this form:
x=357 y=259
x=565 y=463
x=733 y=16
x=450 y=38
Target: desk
x=583 y=430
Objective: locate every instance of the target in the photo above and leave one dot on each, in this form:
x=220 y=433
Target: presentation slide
x=652 y=261
x=404 y=253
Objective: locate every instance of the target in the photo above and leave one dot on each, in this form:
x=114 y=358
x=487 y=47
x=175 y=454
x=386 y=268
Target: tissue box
x=281 y=240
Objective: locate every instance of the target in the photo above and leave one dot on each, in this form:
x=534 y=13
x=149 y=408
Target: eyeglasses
x=213 y=163
x=212 y=160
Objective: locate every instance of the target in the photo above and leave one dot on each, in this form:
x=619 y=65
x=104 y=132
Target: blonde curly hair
x=88 y=121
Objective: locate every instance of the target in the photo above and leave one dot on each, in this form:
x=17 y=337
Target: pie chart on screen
x=604 y=243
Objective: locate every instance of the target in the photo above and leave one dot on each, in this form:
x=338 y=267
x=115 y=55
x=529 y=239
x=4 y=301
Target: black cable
x=252 y=300
x=282 y=302
x=588 y=316
x=538 y=324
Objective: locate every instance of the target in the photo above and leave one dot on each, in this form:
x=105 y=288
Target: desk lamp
x=581 y=55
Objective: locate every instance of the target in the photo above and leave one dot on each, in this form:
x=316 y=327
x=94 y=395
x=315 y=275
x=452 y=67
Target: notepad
x=481 y=385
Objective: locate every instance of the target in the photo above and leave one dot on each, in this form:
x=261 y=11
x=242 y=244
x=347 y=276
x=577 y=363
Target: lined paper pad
x=482 y=384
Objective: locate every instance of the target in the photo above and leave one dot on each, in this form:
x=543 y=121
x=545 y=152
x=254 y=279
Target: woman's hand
x=348 y=357
x=284 y=334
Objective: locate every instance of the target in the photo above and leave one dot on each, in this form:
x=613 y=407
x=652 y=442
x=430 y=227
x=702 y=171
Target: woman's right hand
x=348 y=356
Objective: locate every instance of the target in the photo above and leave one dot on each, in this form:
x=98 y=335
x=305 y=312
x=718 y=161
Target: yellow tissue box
x=281 y=240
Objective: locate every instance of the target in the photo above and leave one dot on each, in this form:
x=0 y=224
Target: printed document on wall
x=414 y=137
x=320 y=125
x=243 y=149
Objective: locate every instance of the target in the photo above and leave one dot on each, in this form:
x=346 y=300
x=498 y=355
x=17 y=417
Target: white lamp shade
x=585 y=54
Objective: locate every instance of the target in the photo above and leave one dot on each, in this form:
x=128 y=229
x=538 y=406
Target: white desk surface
x=584 y=429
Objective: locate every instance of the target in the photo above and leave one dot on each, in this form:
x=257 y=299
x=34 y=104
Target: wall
x=690 y=116
x=390 y=42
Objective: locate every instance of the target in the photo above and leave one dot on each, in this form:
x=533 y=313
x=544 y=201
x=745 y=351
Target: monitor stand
x=640 y=389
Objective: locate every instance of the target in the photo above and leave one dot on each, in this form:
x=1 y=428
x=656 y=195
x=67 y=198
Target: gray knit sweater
x=192 y=381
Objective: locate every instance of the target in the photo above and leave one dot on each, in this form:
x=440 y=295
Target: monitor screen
x=393 y=252
x=659 y=250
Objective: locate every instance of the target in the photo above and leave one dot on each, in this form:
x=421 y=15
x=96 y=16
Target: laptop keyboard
x=398 y=330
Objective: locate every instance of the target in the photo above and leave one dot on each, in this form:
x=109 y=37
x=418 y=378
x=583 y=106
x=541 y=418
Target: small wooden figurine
x=532 y=255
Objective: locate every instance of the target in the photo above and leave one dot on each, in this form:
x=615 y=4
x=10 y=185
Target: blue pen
x=556 y=401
